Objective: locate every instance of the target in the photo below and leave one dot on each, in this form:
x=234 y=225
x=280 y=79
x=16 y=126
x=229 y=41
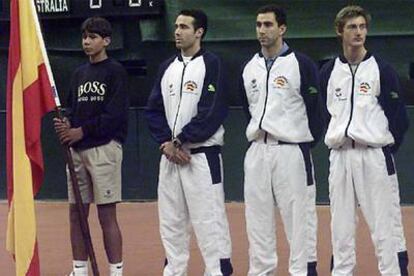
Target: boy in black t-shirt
x=95 y=128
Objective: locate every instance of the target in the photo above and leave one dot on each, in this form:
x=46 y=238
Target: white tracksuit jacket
x=364 y=107
x=188 y=101
x=284 y=101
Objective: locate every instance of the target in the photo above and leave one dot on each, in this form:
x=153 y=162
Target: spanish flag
x=30 y=95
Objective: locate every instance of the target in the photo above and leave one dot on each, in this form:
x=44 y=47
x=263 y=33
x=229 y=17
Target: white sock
x=116 y=269
x=80 y=268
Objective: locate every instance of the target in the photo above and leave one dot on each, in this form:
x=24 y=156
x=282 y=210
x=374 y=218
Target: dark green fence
x=141 y=157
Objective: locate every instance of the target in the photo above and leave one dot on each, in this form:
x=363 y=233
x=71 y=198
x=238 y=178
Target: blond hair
x=349 y=12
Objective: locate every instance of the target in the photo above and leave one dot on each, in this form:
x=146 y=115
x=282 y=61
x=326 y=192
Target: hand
x=182 y=156
x=174 y=154
x=168 y=149
x=61 y=125
x=71 y=136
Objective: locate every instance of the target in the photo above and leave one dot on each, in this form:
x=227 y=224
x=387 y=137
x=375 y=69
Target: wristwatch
x=176 y=142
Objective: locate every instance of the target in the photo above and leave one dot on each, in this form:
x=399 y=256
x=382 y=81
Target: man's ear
x=107 y=40
x=283 y=29
x=200 y=32
x=338 y=33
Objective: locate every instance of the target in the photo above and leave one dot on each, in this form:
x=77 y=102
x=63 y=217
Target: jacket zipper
x=352 y=98
x=265 y=103
x=179 y=103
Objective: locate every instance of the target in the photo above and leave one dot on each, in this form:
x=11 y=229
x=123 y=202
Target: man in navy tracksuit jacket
x=367 y=121
x=282 y=101
x=185 y=113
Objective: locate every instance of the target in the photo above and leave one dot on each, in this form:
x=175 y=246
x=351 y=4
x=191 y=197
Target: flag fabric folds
x=29 y=97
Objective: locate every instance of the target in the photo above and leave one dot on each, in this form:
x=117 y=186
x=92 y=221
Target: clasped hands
x=66 y=134
x=175 y=154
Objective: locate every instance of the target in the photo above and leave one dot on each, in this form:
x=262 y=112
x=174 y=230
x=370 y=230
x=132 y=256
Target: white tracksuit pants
x=280 y=174
x=193 y=195
x=367 y=176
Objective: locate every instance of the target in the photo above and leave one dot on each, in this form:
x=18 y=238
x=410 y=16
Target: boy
x=95 y=128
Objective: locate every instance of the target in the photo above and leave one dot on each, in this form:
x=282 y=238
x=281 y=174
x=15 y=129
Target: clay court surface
x=143 y=252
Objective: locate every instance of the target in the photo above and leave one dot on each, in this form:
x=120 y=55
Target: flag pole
x=86 y=235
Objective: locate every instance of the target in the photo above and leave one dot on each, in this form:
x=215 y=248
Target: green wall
x=141 y=157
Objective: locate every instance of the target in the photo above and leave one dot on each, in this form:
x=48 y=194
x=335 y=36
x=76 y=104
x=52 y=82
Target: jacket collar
x=283 y=52
x=344 y=60
x=199 y=53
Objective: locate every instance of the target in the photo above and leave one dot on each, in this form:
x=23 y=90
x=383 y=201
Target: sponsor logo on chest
x=254 y=88
x=339 y=95
x=171 y=91
x=91 y=91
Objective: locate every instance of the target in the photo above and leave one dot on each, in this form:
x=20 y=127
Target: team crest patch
x=190 y=86
x=280 y=82
x=364 y=88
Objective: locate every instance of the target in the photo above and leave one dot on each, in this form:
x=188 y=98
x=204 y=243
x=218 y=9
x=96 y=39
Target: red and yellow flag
x=29 y=97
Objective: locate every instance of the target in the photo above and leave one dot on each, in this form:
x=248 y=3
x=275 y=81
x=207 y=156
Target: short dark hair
x=200 y=19
x=97 y=25
x=349 y=12
x=279 y=12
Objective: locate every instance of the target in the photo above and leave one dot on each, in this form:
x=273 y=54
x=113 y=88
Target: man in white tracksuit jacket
x=367 y=121
x=282 y=101
x=185 y=113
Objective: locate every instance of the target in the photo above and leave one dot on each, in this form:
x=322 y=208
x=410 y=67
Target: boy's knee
x=74 y=213
x=107 y=215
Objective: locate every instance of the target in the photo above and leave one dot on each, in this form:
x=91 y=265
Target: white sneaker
x=116 y=269
x=73 y=274
x=79 y=268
